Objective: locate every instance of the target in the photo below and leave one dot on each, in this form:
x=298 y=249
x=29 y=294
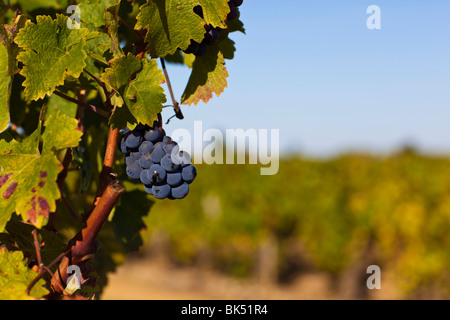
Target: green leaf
x=28 y=6
x=52 y=52
x=172 y=24
x=92 y=11
x=98 y=45
x=3 y=9
x=209 y=75
x=121 y=70
x=28 y=175
x=144 y=96
x=8 y=66
x=177 y=57
x=5 y=87
x=57 y=104
x=128 y=221
x=112 y=26
x=19 y=237
x=15 y=278
x=140 y=99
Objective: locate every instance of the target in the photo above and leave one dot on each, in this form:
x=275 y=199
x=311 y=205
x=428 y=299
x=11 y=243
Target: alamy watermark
x=73 y=282
x=374 y=21
x=374 y=281
x=74 y=21
x=234 y=146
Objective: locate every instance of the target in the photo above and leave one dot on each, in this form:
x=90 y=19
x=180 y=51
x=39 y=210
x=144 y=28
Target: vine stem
x=126 y=24
x=37 y=246
x=108 y=94
x=84 y=244
x=60 y=181
x=41 y=267
x=176 y=105
x=91 y=107
x=108 y=160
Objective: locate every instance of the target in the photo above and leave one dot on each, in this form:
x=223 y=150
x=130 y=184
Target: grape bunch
x=212 y=35
x=234 y=11
x=156 y=160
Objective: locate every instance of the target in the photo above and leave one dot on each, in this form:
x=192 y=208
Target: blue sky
x=313 y=70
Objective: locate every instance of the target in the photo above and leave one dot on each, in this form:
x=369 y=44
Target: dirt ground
x=146 y=279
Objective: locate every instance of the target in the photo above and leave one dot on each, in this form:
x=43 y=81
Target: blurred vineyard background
x=332 y=217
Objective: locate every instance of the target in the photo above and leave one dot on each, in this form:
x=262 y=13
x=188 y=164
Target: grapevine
x=81 y=103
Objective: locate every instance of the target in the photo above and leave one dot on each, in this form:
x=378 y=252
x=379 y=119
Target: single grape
x=234 y=13
x=157 y=175
x=212 y=36
x=134 y=170
x=123 y=147
x=181 y=191
x=169 y=147
x=132 y=157
x=166 y=140
x=145 y=177
x=161 y=192
x=125 y=130
x=182 y=157
x=174 y=179
x=237 y=3
x=133 y=140
x=148 y=188
x=157 y=153
x=153 y=134
x=189 y=173
x=168 y=165
x=145 y=161
x=146 y=146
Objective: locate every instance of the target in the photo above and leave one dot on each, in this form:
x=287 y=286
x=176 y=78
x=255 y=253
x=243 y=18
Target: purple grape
x=134 y=170
x=234 y=12
x=145 y=161
x=161 y=192
x=181 y=191
x=169 y=147
x=168 y=165
x=146 y=146
x=123 y=147
x=189 y=173
x=212 y=36
x=174 y=179
x=133 y=140
x=132 y=157
x=157 y=153
x=145 y=177
x=182 y=157
x=237 y=3
x=148 y=189
x=157 y=175
x=153 y=134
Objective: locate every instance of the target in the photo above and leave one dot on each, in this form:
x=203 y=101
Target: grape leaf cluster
x=212 y=35
x=156 y=160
